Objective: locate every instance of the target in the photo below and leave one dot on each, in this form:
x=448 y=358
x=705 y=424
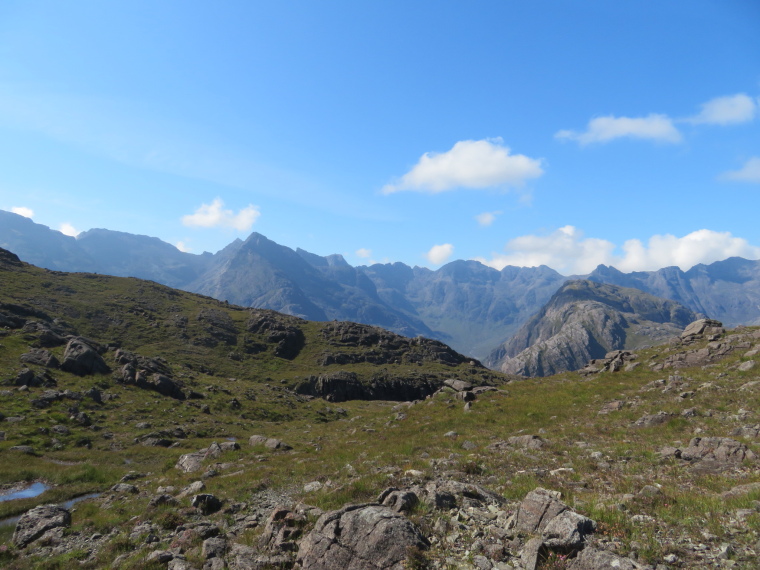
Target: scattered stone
x=614 y=406
x=311 y=487
x=657 y=419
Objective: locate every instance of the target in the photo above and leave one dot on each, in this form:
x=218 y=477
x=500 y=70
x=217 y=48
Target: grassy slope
x=366 y=435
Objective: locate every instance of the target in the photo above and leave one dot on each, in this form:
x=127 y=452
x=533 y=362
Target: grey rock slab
x=37 y=521
x=360 y=537
x=537 y=509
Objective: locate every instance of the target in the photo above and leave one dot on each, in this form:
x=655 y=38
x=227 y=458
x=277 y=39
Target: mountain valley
x=199 y=434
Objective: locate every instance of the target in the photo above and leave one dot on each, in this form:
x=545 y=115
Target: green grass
x=563 y=409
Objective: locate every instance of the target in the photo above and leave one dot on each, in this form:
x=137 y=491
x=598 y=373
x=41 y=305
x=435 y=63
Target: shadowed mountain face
x=585 y=320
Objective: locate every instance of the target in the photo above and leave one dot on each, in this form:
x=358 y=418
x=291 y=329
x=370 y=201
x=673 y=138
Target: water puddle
x=66 y=505
x=31 y=491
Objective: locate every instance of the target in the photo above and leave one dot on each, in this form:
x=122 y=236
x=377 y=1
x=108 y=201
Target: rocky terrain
x=585 y=320
x=195 y=434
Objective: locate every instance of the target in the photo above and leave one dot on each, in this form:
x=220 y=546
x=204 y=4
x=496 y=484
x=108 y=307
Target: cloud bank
x=215 y=216
x=726 y=110
x=439 y=254
x=567 y=251
x=484 y=163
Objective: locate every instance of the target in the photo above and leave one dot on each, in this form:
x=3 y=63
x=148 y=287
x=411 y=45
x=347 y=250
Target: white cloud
x=728 y=110
x=182 y=246
x=213 y=215
x=486 y=218
x=469 y=164
x=701 y=246
x=364 y=253
x=23 y=211
x=750 y=172
x=604 y=129
x=69 y=230
x=439 y=253
x=567 y=251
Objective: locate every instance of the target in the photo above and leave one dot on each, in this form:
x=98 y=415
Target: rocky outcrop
x=278 y=330
x=148 y=374
x=360 y=537
x=40 y=357
x=342 y=386
x=585 y=321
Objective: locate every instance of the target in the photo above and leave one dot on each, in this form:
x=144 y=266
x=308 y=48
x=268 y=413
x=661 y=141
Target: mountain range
x=470 y=306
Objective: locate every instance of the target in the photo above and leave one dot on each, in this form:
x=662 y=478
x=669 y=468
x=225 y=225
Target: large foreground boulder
x=360 y=537
x=34 y=523
x=82 y=358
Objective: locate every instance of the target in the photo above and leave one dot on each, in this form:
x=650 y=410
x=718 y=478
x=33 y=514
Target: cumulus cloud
x=487 y=218
x=439 y=253
x=364 y=253
x=750 y=172
x=182 y=246
x=69 y=230
x=653 y=127
x=728 y=110
x=23 y=211
x=567 y=251
x=214 y=215
x=469 y=164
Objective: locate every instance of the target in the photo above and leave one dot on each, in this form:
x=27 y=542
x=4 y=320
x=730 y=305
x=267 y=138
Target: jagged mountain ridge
x=466 y=304
x=585 y=320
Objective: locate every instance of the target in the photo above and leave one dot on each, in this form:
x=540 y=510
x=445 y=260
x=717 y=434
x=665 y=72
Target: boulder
x=34 y=523
x=702 y=327
x=269 y=442
x=360 y=537
x=81 y=358
x=567 y=531
x=206 y=503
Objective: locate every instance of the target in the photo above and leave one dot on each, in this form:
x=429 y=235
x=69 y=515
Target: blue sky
x=555 y=132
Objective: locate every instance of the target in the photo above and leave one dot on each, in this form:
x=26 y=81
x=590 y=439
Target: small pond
x=31 y=491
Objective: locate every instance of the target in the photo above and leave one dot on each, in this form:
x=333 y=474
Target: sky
x=519 y=133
